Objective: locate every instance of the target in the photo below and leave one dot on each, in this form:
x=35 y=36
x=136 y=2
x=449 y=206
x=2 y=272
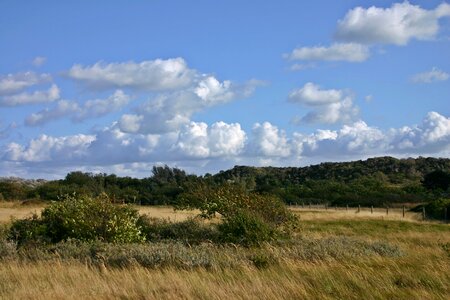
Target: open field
x=334 y=255
x=20 y=210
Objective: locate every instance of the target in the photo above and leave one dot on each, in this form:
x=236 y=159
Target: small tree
x=437 y=180
x=247 y=218
x=82 y=218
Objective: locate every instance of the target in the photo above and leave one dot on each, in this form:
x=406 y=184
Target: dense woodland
x=377 y=181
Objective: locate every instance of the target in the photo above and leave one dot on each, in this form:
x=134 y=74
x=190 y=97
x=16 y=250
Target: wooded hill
x=377 y=181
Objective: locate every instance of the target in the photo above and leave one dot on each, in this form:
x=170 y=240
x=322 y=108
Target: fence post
x=326 y=206
x=371 y=209
x=423 y=214
x=359 y=208
x=403 y=211
x=387 y=210
x=445 y=215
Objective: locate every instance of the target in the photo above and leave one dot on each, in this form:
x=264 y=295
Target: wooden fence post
x=403 y=211
x=423 y=213
x=359 y=208
x=445 y=215
x=387 y=210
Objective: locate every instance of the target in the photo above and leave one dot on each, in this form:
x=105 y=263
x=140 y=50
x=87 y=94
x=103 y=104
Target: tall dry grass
x=334 y=255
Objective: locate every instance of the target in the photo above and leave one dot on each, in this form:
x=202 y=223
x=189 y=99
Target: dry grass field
x=18 y=210
x=332 y=259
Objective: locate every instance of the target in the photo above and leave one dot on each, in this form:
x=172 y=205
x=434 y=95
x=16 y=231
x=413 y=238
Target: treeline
x=377 y=181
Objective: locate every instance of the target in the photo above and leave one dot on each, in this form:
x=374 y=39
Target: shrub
x=190 y=231
x=81 y=218
x=28 y=231
x=247 y=218
x=246 y=229
x=436 y=209
x=87 y=219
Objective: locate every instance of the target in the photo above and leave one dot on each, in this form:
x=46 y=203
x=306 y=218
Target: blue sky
x=118 y=86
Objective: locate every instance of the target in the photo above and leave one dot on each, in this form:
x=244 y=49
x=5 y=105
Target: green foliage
x=437 y=179
x=29 y=231
x=247 y=218
x=436 y=209
x=13 y=190
x=86 y=218
x=82 y=218
x=190 y=231
x=246 y=229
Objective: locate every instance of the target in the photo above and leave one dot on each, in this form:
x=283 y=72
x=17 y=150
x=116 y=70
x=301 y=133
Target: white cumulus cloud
x=396 y=25
x=351 y=52
x=150 y=75
x=39 y=61
x=168 y=112
x=328 y=106
x=13 y=83
x=36 y=97
x=431 y=76
x=197 y=140
x=269 y=141
x=79 y=112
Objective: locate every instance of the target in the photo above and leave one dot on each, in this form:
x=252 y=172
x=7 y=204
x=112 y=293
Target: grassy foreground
x=330 y=258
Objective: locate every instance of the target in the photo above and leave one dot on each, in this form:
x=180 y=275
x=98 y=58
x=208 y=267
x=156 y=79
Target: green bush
x=246 y=229
x=247 y=218
x=28 y=231
x=436 y=209
x=190 y=231
x=81 y=218
x=88 y=219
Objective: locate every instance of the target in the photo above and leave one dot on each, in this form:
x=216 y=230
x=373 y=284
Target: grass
x=334 y=255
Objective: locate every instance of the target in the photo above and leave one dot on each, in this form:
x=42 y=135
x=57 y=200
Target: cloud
x=150 y=75
x=39 y=61
x=24 y=98
x=396 y=25
x=329 y=106
x=61 y=109
x=168 y=112
x=47 y=148
x=301 y=67
x=311 y=94
x=431 y=76
x=221 y=139
x=79 y=112
x=431 y=136
x=269 y=141
x=198 y=146
x=13 y=83
x=5 y=132
x=350 y=52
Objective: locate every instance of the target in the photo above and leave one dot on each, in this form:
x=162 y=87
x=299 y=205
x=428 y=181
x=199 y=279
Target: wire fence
x=395 y=212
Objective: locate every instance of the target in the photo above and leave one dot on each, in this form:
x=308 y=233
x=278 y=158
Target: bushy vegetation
x=379 y=182
x=247 y=218
x=82 y=218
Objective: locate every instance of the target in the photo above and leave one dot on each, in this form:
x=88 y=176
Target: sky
x=120 y=86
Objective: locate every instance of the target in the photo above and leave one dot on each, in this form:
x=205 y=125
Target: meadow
x=334 y=254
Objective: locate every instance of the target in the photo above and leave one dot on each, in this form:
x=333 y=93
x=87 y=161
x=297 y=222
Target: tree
x=437 y=179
